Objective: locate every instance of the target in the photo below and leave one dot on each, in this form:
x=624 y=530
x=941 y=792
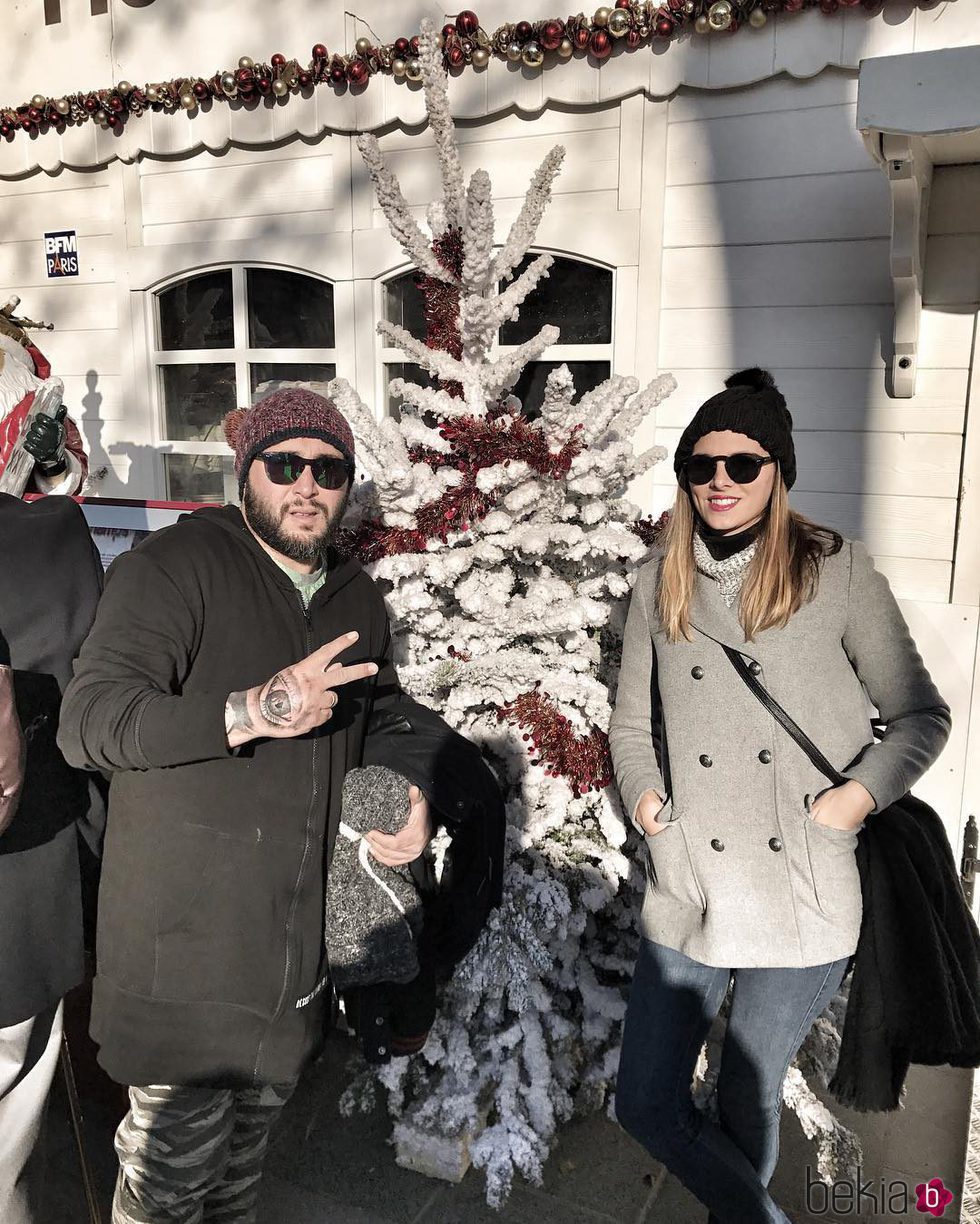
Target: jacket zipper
x=291 y=914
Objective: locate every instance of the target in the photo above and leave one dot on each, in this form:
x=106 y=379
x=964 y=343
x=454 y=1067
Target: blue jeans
x=673 y=1001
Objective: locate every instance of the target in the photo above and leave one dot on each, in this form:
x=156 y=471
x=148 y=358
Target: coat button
x=697 y=673
x=755 y=668
x=765 y=756
x=716 y=844
x=775 y=843
x=705 y=760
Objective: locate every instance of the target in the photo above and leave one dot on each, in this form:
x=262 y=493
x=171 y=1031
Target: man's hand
x=647 y=810
x=13 y=753
x=396 y=849
x=842 y=807
x=45 y=442
x=296 y=699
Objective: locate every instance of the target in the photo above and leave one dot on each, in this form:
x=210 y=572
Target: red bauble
x=623 y=3
x=5 y=129
x=34 y=115
x=401 y=47
x=112 y=121
x=244 y=76
x=357 y=72
x=201 y=90
x=552 y=32
x=413 y=44
x=278 y=60
x=91 y=104
x=467 y=23
x=448 y=31
x=456 y=56
x=338 y=73
x=792 y=6
x=263 y=84
x=580 y=39
x=633 y=39
x=600 y=44
x=319 y=51
x=116 y=103
x=675 y=5
x=664 y=27
x=305 y=80
x=523 y=31
x=26 y=124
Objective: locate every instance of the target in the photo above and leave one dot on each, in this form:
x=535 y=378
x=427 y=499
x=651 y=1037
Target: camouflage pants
x=193 y=1155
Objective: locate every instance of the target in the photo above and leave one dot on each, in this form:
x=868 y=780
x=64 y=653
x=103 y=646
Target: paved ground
x=325 y=1169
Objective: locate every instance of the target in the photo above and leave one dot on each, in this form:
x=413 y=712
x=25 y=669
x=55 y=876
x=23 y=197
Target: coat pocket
x=833 y=869
x=670 y=867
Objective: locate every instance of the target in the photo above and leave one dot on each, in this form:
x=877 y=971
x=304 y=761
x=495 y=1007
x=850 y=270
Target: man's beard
x=267 y=525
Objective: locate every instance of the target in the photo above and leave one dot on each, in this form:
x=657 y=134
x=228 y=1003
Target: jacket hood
x=341 y=569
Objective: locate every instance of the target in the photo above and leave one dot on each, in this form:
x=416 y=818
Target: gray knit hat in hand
x=373 y=912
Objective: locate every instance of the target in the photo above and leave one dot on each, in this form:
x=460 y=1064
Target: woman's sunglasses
x=743 y=469
x=285 y=468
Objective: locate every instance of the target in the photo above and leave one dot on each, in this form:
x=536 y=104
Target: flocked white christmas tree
x=507 y=548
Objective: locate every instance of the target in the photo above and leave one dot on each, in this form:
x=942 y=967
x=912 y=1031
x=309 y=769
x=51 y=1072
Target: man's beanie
x=752 y=405
x=293 y=412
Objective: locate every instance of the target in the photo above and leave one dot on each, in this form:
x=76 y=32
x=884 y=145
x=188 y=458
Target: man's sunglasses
x=743 y=469
x=285 y=468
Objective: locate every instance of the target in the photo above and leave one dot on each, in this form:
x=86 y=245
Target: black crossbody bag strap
x=779 y=714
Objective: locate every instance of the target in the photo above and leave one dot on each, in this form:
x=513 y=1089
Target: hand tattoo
x=236 y=713
x=280 y=700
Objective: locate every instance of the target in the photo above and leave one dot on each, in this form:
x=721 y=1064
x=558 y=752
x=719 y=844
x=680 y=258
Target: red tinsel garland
x=583 y=759
x=440 y=303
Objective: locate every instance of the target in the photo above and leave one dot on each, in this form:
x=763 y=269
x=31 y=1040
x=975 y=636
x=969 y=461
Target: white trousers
x=28 y=1060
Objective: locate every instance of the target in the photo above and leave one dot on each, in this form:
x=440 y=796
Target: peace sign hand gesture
x=296 y=700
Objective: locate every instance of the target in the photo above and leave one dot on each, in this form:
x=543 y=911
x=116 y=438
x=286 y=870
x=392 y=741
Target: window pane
x=410 y=373
x=530 y=386
x=196 y=478
x=195 y=399
x=576 y=297
x=286 y=310
x=197 y=313
x=266 y=376
x=403 y=304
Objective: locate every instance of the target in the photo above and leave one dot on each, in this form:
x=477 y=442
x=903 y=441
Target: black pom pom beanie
x=751 y=404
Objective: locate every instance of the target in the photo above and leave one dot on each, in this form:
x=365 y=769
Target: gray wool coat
x=742 y=876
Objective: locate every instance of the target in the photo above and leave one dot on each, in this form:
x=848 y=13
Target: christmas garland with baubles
x=464 y=43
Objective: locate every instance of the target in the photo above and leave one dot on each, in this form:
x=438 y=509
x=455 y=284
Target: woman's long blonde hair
x=781 y=577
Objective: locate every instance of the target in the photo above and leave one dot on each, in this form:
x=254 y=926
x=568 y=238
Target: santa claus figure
x=49 y=454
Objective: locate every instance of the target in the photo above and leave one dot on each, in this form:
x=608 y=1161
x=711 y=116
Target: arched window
x=575 y=296
x=222 y=338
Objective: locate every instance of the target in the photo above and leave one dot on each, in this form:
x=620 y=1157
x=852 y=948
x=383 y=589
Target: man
x=227 y=684
x=52 y=442
x=50 y=579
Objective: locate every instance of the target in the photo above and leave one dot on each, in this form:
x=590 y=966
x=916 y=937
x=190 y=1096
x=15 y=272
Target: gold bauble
x=618 y=23
x=720 y=15
x=757 y=18
x=533 y=56
x=480 y=57
x=514 y=52
x=565 y=48
x=124 y=88
x=413 y=69
x=246 y=61
x=362 y=46
x=280 y=88
x=39 y=101
x=228 y=82
x=62 y=106
x=153 y=93
x=601 y=16
x=100 y=116
x=187 y=100
x=702 y=25
x=398 y=67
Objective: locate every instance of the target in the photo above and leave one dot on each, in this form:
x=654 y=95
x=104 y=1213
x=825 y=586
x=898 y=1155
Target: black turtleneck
x=723 y=546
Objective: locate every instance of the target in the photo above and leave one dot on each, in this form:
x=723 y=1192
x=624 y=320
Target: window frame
x=386 y=355
x=241 y=355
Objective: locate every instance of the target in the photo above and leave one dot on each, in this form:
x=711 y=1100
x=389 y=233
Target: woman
x=751 y=870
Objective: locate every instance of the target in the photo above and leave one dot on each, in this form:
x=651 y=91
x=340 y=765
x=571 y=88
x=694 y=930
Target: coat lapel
x=711 y=616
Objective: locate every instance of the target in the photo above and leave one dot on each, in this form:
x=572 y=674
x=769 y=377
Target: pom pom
x=753 y=377
x=231 y=424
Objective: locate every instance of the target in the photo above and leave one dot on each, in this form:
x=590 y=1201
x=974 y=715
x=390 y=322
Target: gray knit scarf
x=730 y=573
